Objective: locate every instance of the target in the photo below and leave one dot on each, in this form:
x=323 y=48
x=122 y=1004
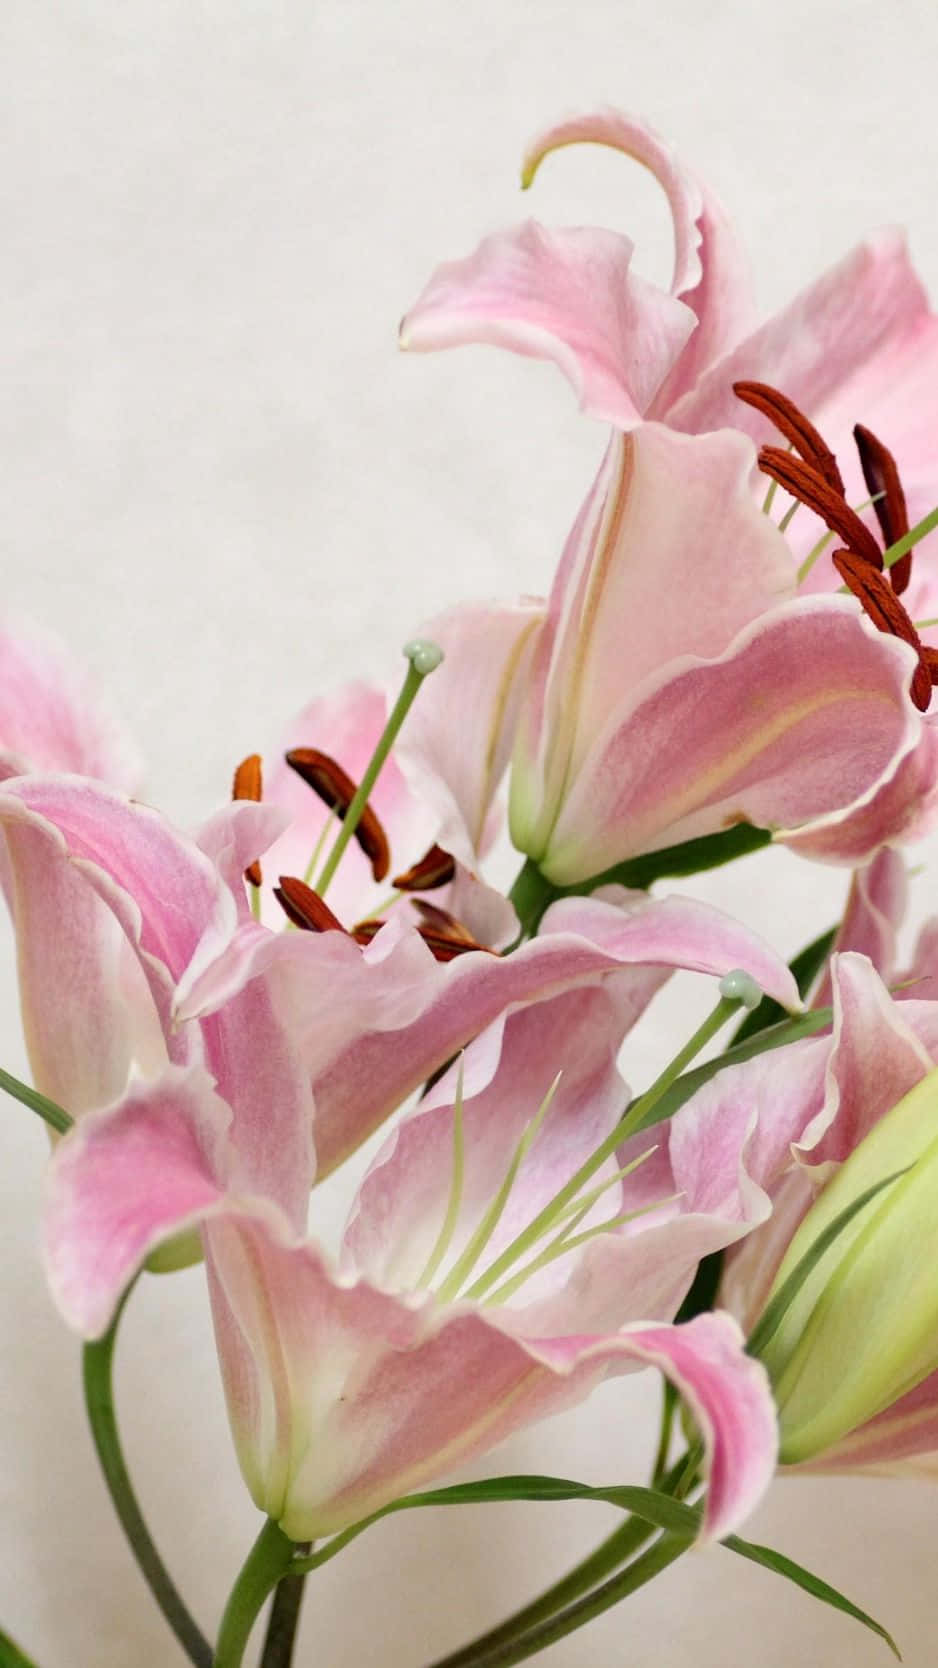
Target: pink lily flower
x=652 y=706
x=470 y=1296
x=802 y=1114
x=858 y=345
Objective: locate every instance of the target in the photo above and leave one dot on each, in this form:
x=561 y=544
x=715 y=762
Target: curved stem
x=280 y=1637
x=97 y=1372
x=266 y=1562
x=609 y=1556
x=664 y=1552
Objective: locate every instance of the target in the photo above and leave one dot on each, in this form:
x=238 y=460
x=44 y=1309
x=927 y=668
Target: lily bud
x=863 y=1329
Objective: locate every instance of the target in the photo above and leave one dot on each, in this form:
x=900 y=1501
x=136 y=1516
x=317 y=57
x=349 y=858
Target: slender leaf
x=780 y=1565
x=805 y=968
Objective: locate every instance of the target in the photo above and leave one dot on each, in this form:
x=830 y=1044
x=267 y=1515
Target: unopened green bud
x=863 y=1329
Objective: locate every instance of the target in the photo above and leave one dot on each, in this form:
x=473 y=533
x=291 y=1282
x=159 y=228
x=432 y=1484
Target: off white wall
x=222 y=485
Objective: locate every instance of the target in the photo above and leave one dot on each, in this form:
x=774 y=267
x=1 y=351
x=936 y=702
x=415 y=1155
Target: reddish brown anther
x=807 y=485
x=795 y=426
x=884 y=486
x=436 y=868
x=878 y=599
x=444 y=936
x=249 y=784
x=441 y=921
x=304 y=907
x=336 y=788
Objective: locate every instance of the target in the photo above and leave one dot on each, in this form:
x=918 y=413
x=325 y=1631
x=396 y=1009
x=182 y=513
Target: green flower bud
x=863 y=1329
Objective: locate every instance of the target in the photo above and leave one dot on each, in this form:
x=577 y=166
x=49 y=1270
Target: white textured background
x=221 y=484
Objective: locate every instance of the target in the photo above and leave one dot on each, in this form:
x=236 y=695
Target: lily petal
x=711 y=274
x=569 y=296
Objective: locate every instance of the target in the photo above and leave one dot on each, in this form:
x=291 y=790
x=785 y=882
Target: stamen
x=441 y=921
x=877 y=599
x=564 y=1242
x=810 y=488
x=464 y=1264
x=336 y=788
x=304 y=907
x=883 y=484
x=795 y=426
x=248 y=784
x=446 y=948
x=424 y=657
x=634 y=1118
x=448 y=1226
x=436 y=868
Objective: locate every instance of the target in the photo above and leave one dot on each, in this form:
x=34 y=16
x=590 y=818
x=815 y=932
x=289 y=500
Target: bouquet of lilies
x=737 y=647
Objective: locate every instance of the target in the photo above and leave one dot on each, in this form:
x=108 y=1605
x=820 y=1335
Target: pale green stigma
x=740 y=986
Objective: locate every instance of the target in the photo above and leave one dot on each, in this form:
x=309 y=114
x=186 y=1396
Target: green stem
x=280 y=1637
x=263 y=1568
x=664 y=1552
x=531 y=894
x=10 y=1654
x=424 y=659
x=97 y=1366
x=668 y=1410
x=46 y=1108
x=610 y=1555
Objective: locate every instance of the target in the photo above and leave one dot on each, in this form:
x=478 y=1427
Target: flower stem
x=10 y=1654
x=609 y=1556
x=424 y=658
x=280 y=1637
x=266 y=1563
x=97 y=1368
x=665 y=1551
x=47 y=1109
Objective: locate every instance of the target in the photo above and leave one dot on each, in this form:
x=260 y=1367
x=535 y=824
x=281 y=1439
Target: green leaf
x=780 y=1565
x=774 y=1036
x=775 y=1310
x=691 y=857
x=673 y=1516
x=805 y=967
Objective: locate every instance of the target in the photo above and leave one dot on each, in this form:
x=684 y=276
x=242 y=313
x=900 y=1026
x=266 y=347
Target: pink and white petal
x=51 y=717
x=901 y=809
x=569 y=296
x=708 y=744
x=582 y=941
x=711 y=274
x=458 y=738
x=874 y=911
x=568 y=1043
x=672 y=932
x=124 y=1180
x=875 y=1059
x=660 y=500
x=164 y=892
x=78 y=1025
x=235 y=837
x=343 y=1397
x=833 y=345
